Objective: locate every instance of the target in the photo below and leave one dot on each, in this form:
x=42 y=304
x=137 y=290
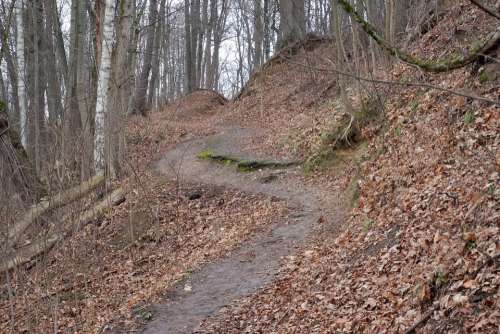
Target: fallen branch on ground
x=115 y=198
x=25 y=254
x=56 y=201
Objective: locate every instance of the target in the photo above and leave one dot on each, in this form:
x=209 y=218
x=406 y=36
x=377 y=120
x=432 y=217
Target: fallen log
x=25 y=254
x=115 y=198
x=245 y=165
x=53 y=202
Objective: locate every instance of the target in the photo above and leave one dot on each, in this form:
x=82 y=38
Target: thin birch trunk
x=20 y=70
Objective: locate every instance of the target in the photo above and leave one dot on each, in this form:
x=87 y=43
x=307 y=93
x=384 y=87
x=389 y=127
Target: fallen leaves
x=434 y=175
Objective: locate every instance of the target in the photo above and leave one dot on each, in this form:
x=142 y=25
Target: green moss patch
x=244 y=165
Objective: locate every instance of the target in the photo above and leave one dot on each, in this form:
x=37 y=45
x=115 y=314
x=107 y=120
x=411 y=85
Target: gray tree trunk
x=293 y=22
x=72 y=116
x=195 y=35
x=207 y=59
x=211 y=57
x=190 y=68
x=203 y=23
x=59 y=46
x=120 y=80
x=12 y=73
x=258 y=33
x=156 y=55
x=54 y=101
x=143 y=80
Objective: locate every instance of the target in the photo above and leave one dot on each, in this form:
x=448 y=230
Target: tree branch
x=485 y=9
x=397 y=83
x=439 y=65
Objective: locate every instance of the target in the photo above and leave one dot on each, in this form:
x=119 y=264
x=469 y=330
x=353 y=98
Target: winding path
x=257 y=261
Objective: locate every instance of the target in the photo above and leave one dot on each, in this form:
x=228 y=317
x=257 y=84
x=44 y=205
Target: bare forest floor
x=400 y=226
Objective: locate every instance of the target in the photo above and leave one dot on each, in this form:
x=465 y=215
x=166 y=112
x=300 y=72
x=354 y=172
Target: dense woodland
x=73 y=70
x=74 y=73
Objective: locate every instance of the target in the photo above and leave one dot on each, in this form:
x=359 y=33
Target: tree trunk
x=258 y=34
x=202 y=27
x=195 y=34
x=267 y=30
x=120 y=82
x=20 y=70
x=59 y=47
x=17 y=174
x=293 y=22
x=72 y=114
x=14 y=84
x=38 y=53
x=214 y=19
x=189 y=69
x=207 y=63
x=132 y=57
x=143 y=80
x=102 y=87
x=54 y=103
x=156 y=55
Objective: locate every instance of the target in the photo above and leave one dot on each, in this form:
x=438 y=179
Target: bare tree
x=21 y=74
x=143 y=80
x=190 y=66
x=103 y=85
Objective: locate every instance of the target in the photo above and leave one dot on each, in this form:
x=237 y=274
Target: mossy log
x=25 y=254
x=245 y=164
x=53 y=202
x=440 y=65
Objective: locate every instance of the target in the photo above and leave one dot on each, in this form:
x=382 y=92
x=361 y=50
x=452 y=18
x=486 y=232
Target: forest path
x=257 y=261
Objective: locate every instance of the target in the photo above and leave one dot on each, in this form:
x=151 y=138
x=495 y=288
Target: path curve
x=257 y=261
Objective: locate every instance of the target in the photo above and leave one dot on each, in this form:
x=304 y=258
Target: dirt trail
x=257 y=261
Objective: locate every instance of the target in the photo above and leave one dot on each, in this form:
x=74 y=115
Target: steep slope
x=420 y=251
x=419 y=244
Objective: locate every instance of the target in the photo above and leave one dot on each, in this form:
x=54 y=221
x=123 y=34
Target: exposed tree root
x=245 y=165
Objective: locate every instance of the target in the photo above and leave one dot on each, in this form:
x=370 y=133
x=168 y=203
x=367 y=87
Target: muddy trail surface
x=257 y=261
